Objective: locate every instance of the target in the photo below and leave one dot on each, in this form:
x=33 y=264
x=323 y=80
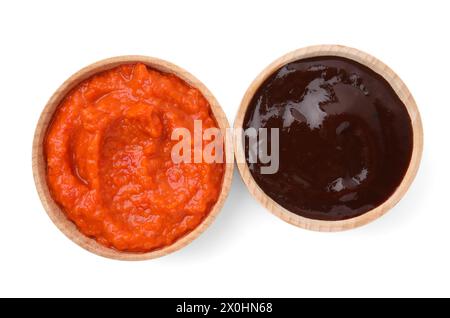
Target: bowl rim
x=56 y=214
x=400 y=89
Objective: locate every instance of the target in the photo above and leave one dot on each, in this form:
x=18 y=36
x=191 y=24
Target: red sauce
x=109 y=166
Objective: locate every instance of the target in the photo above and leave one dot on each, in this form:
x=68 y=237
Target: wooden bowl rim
x=38 y=162
x=400 y=89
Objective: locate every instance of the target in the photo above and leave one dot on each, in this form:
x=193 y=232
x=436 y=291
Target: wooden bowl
x=39 y=165
x=400 y=89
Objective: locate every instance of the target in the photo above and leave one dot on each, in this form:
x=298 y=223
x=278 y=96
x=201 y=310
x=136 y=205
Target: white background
x=247 y=251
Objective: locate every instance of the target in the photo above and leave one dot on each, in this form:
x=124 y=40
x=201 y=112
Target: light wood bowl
x=398 y=86
x=39 y=165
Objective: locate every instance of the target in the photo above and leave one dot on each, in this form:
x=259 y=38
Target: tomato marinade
x=109 y=167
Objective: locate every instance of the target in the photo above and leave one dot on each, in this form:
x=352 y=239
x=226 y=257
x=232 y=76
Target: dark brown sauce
x=345 y=137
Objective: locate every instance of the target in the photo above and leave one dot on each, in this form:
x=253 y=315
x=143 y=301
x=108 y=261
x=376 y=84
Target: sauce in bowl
x=345 y=137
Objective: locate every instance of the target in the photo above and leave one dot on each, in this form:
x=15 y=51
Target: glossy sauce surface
x=109 y=164
x=345 y=137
